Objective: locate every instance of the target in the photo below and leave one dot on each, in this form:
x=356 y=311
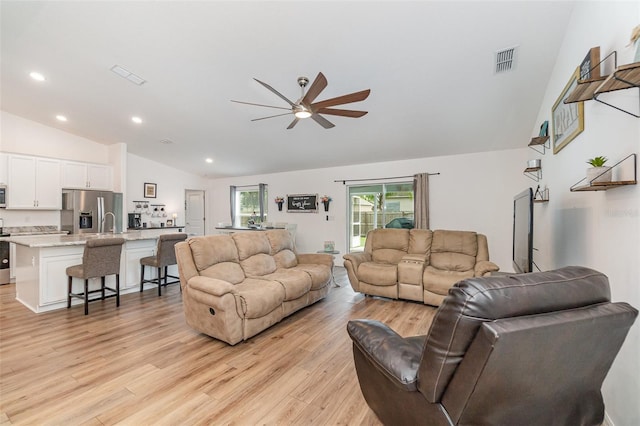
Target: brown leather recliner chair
x=528 y=349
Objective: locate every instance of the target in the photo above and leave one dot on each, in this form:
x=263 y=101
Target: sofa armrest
x=317 y=258
x=484 y=268
x=396 y=357
x=212 y=286
x=356 y=259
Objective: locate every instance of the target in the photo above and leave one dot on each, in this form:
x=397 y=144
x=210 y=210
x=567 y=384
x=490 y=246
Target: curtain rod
x=344 y=181
x=246 y=186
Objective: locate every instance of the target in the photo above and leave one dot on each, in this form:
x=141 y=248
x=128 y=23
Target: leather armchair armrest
x=212 y=286
x=396 y=357
x=484 y=268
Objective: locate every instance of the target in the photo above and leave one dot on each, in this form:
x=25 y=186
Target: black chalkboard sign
x=302 y=203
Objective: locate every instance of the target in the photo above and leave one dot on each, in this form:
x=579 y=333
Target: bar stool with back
x=101 y=257
x=165 y=256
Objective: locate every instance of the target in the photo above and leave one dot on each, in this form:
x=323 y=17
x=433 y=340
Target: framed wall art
x=302 y=203
x=567 y=120
x=150 y=190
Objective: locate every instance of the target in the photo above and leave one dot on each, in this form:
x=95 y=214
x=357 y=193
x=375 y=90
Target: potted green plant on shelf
x=598 y=172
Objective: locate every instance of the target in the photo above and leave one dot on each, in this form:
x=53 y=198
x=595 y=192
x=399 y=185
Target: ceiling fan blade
x=342 y=112
x=276 y=92
x=293 y=123
x=322 y=121
x=317 y=86
x=344 y=99
x=271 y=116
x=261 y=105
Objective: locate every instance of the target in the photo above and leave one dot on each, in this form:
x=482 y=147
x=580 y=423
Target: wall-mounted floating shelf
x=603 y=186
x=540 y=141
x=541 y=196
x=623 y=77
x=533 y=173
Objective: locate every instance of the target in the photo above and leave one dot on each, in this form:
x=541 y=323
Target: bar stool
x=101 y=257
x=165 y=256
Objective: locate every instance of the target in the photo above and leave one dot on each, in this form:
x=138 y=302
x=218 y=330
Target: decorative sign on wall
x=302 y=203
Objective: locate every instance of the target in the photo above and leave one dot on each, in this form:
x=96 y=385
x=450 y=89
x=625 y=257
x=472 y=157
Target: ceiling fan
x=305 y=107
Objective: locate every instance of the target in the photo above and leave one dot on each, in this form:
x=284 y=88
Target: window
x=248 y=204
x=378 y=206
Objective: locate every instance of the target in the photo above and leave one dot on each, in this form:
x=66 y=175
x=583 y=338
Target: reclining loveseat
x=417 y=264
x=235 y=286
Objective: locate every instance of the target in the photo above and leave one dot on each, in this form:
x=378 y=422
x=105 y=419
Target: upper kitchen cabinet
x=77 y=175
x=33 y=183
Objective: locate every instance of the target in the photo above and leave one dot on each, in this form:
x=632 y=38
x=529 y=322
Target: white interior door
x=194 y=212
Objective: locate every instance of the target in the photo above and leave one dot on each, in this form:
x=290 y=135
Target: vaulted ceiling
x=430 y=66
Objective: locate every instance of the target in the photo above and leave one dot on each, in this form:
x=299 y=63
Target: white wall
x=600 y=230
x=171 y=184
x=473 y=192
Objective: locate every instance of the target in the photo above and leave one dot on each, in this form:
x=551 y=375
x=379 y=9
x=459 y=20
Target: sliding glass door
x=388 y=205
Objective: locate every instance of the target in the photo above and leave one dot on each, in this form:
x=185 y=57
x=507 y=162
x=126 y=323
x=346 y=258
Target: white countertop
x=73 y=239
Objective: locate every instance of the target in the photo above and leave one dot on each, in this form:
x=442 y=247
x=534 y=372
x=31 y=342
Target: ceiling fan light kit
x=305 y=107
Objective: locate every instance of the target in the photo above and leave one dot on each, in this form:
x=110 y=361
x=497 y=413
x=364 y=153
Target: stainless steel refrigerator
x=85 y=211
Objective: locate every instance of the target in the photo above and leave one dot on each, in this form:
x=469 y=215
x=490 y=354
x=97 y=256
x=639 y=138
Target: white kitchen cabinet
x=77 y=175
x=34 y=183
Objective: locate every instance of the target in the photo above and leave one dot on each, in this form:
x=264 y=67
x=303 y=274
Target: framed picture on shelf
x=590 y=66
x=150 y=190
x=544 y=129
x=567 y=120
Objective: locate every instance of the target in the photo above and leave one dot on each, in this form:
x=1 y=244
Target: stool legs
x=117 y=290
x=86 y=296
x=141 y=277
x=160 y=281
x=69 y=292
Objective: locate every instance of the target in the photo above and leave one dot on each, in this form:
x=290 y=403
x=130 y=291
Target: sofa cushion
x=389 y=245
x=382 y=274
x=296 y=283
x=212 y=249
x=254 y=253
x=420 y=242
x=282 y=248
x=256 y=298
x=440 y=281
x=216 y=256
x=454 y=250
x=320 y=274
x=285 y=259
x=228 y=271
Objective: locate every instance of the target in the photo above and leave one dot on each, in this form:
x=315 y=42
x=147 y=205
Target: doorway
x=195 y=218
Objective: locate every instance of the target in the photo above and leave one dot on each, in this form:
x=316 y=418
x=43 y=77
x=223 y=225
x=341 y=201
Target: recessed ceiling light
x=209 y=160
x=166 y=141
x=36 y=76
x=136 y=120
x=61 y=118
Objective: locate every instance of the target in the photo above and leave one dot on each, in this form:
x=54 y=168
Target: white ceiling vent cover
x=506 y=59
x=125 y=73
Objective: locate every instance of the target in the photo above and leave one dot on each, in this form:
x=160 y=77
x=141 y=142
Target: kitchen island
x=41 y=262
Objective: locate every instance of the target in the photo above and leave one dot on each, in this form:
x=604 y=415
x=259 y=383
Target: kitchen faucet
x=113 y=223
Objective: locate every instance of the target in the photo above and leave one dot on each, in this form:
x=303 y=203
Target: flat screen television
x=523 y=231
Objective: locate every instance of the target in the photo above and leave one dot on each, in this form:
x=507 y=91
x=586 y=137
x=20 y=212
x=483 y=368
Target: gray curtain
x=421 y=200
x=232 y=204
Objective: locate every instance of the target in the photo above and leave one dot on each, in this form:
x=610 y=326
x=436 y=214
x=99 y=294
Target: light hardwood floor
x=141 y=364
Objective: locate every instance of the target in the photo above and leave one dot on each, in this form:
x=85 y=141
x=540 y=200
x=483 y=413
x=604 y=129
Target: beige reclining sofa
x=235 y=286
x=417 y=264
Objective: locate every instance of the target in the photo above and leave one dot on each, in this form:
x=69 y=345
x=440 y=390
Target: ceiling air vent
x=125 y=73
x=505 y=60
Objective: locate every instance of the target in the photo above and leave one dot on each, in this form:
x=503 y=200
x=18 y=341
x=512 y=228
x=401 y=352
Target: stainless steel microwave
x=3 y=196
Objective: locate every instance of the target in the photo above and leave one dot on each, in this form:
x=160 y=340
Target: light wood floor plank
x=141 y=364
